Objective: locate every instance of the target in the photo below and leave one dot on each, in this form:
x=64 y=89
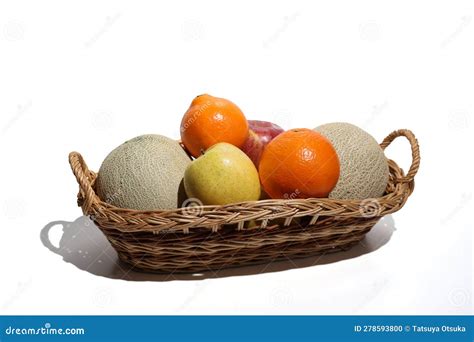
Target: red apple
x=260 y=134
x=265 y=130
x=253 y=147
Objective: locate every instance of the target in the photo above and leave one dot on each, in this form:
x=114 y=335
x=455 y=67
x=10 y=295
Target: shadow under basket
x=203 y=238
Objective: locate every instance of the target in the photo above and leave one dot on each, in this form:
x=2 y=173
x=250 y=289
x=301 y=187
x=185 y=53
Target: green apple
x=222 y=175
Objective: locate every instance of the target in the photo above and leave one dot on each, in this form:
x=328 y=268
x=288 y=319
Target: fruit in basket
x=266 y=130
x=299 y=163
x=253 y=147
x=211 y=120
x=144 y=173
x=260 y=134
x=222 y=175
x=364 y=167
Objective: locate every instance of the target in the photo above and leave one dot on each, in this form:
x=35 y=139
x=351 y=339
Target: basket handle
x=81 y=171
x=415 y=152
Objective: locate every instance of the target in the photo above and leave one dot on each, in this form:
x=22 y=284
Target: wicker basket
x=201 y=238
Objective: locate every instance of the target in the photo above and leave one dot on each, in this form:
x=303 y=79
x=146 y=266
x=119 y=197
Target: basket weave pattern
x=205 y=238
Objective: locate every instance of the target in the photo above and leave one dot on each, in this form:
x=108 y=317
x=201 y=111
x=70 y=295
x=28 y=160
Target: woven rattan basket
x=201 y=238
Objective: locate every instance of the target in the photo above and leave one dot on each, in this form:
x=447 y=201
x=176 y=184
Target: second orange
x=299 y=163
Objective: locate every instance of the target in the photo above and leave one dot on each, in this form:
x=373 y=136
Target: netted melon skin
x=364 y=168
x=144 y=173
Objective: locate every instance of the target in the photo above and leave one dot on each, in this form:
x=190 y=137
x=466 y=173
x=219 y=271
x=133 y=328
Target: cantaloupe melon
x=364 y=167
x=144 y=173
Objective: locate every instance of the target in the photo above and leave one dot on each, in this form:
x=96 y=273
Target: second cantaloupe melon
x=364 y=167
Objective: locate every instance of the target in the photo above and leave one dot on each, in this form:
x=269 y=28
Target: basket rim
x=398 y=190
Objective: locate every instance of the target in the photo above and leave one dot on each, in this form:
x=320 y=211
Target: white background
x=88 y=76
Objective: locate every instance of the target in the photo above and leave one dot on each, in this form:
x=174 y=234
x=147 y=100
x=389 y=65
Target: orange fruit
x=299 y=163
x=211 y=120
